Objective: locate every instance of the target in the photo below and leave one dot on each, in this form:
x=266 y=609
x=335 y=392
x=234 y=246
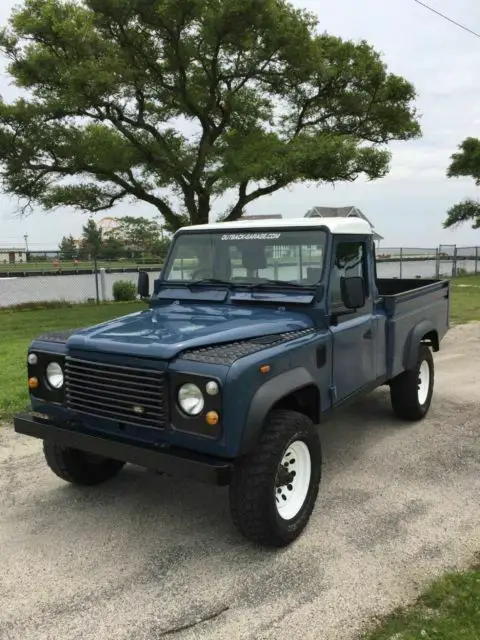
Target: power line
x=442 y=15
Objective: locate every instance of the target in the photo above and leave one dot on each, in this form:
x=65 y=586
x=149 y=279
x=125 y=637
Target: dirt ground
x=145 y=557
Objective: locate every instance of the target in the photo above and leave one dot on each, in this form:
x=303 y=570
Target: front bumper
x=170 y=460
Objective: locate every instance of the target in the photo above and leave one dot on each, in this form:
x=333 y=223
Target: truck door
x=353 y=332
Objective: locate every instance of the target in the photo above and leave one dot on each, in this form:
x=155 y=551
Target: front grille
x=123 y=394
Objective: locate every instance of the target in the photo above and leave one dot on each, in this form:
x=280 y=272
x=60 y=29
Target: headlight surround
x=54 y=375
x=190 y=399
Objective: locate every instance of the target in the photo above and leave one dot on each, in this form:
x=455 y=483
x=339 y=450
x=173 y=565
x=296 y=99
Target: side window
x=349 y=261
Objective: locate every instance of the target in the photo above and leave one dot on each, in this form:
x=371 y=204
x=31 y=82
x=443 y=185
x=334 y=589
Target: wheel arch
x=295 y=390
x=423 y=333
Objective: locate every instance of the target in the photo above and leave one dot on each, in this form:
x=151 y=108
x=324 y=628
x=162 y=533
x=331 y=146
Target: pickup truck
x=254 y=332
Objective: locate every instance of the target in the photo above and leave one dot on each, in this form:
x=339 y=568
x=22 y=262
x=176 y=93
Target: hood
x=165 y=331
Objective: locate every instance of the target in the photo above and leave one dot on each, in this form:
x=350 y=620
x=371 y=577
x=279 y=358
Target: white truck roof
x=351 y=225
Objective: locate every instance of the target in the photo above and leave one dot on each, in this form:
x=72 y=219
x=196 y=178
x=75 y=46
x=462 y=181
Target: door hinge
x=333 y=394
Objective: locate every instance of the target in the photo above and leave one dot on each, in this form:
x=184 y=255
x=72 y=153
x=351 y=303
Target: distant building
x=12 y=255
x=341 y=212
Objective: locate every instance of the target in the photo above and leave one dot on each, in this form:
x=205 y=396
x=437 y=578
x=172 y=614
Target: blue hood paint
x=165 y=331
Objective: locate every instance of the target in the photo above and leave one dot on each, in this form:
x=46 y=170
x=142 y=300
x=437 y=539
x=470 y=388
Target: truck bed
x=393 y=291
x=394 y=286
x=408 y=304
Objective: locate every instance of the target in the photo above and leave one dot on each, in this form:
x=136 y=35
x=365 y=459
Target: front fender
x=266 y=397
x=413 y=341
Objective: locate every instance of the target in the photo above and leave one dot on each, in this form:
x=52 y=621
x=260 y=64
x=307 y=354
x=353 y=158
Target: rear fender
x=424 y=331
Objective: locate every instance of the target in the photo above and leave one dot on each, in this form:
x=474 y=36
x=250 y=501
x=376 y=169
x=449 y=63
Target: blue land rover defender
x=253 y=333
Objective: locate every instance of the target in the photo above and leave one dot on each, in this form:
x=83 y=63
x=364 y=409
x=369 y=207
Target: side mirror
x=143 y=286
x=353 y=292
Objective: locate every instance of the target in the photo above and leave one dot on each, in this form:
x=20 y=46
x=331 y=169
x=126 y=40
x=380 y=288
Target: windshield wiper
x=279 y=283
x=194 y=283
x=263 y=284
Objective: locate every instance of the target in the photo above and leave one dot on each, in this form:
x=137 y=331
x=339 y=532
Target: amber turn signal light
x=212 y=418
x=33 y=383
x=265 y=368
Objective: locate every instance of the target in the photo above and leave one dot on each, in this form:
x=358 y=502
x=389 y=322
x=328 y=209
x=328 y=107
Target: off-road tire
x=252 y=489
x=404 y=389
x=78 y=467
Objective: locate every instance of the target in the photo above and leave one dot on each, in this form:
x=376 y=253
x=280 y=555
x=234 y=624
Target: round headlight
x=32 y=358
x=190 y=399
x=54 y=375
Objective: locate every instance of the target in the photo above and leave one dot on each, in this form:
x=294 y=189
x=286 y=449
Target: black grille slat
x=86 y=395
x=121 y=375
x=119 y=411
x=93 y=364
x=87 y=378
x=116 y=392
x=140 y=421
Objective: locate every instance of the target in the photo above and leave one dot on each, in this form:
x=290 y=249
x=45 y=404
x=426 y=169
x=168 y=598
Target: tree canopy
x=466 y=162
x=68 y=248
x=128 y=238
x=176 y=102
x=137 y=234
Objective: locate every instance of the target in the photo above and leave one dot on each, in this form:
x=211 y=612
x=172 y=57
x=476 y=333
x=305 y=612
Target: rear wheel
x=79 y=467
x=274 y=489
x=411 y=392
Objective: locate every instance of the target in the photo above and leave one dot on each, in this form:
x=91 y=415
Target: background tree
x=92 y=239
x=137 y=234
x=113 y=248
x=68 y=248
x=133 y=236
x=466 y=162
x=160 y=247
x=192 y=98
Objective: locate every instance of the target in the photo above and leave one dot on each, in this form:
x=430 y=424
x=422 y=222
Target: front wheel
x=411 y=392
x=274 y=489
x=79 y=467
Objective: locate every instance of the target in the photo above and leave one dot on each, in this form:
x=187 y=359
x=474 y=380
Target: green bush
x=124 y=291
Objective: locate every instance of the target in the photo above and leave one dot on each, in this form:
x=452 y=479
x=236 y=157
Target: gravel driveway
x=145 y=557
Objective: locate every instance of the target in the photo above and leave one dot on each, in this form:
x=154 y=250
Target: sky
x=409 y=205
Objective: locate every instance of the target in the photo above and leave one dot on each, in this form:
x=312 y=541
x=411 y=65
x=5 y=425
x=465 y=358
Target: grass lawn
x=465 y=299
x=448 y=610
x=18 y=328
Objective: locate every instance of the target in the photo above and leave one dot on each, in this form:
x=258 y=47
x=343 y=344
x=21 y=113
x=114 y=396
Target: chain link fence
x=43 y=276
x=446 y=261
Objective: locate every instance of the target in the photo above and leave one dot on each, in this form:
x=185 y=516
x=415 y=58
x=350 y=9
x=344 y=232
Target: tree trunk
x=203 y=208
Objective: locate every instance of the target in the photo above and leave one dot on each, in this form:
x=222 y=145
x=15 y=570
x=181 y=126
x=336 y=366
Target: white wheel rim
x=293 y=481
x=423 y=382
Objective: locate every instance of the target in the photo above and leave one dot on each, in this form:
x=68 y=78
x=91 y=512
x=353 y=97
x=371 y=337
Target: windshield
x=283 y=256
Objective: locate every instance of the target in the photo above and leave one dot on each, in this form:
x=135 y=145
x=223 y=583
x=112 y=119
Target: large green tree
x=68 y=248
x=149 y=99
x=466 y=162
x=137 y=234
x=92 y=239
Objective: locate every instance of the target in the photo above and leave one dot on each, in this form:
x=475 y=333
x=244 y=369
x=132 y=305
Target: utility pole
x=26 y=242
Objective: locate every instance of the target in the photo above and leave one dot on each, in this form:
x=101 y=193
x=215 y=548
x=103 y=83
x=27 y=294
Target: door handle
x=368 y=335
